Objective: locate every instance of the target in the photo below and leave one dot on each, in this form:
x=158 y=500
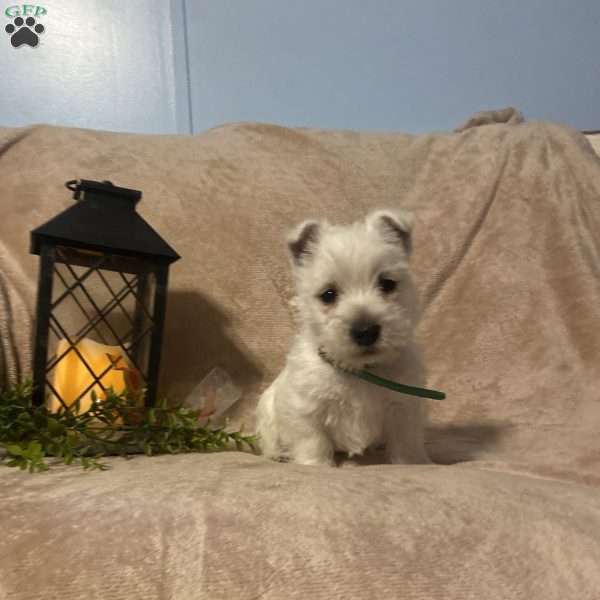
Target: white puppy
x=357 y=306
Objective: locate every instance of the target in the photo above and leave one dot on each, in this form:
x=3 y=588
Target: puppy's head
x=354 y=292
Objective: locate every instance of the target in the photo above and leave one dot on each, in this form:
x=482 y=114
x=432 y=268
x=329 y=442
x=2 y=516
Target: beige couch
x=507 y=260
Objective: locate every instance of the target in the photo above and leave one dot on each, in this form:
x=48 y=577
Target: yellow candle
x=71 y=376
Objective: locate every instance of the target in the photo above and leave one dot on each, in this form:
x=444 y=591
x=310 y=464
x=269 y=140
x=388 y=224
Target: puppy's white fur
x=313 y=409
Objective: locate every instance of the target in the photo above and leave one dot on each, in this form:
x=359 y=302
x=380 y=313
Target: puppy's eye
x=386 y=285
x=329 y=296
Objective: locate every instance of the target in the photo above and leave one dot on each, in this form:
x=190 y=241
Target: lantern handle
x=75 y=186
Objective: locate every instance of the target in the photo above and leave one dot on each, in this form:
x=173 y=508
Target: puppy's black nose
x=365 y=333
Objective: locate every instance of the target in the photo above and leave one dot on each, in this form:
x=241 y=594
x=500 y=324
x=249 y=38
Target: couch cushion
x=231 y=526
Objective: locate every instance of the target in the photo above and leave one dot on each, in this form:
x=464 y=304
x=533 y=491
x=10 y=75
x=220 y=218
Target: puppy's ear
x=394 y=225
x=302 y=240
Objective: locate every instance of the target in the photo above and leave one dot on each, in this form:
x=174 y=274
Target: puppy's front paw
x=314 y=450
x=318 y=462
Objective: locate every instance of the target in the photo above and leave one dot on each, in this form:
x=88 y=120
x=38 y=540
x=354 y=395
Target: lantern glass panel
x=101 y=325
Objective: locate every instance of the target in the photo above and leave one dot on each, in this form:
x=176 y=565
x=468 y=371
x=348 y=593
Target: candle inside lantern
x=72 y=377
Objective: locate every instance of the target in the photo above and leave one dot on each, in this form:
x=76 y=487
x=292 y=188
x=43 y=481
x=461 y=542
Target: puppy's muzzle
x=365 y=333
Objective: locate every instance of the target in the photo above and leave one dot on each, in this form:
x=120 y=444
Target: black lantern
x=101 y=298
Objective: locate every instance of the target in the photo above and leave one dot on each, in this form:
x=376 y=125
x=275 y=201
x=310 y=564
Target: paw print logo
x=24 y=32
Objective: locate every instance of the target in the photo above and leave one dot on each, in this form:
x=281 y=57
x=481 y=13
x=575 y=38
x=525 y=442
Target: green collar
x=387 y=383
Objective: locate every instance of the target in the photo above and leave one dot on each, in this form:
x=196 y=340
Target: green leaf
x=34 y=448
x=151 y=416
x=54 y=427
x=14 y=450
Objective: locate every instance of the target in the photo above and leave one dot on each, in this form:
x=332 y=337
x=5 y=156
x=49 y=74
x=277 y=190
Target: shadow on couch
x=449 y=444
x=196 y=339
x=446 y=444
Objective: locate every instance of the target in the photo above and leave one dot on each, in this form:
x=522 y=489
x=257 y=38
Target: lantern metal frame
x=101 y=232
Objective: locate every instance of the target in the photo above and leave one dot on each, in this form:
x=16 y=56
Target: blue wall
x=102 y=64
x=411 y=65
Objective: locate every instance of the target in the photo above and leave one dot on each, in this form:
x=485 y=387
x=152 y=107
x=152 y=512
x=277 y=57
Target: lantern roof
x=104 y=219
